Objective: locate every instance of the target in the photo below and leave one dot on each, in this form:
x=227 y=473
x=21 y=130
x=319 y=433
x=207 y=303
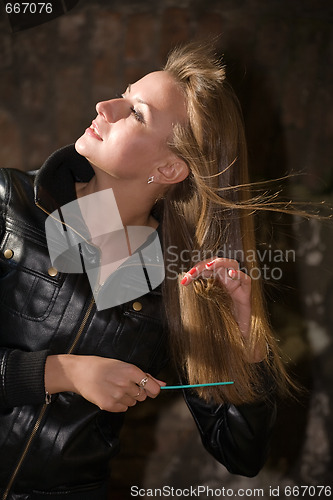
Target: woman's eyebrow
x=137 y=98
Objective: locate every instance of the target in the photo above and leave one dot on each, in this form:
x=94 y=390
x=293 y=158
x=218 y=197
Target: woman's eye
x=137 y=115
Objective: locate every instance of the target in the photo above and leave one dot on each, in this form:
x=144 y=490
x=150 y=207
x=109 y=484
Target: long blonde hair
x=210 y=209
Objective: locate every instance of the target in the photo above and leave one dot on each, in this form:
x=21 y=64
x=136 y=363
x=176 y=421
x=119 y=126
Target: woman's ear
x=174 y=172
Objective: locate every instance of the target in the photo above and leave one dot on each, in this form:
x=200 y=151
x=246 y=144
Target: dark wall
x=279 y=55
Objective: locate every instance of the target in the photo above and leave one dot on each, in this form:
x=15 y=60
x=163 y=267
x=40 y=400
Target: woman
x=172 y=152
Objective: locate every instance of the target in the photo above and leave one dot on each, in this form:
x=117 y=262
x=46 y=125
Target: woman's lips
x=93 y=131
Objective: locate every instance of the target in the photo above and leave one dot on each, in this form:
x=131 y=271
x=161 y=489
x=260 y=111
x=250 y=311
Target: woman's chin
x=80 y=145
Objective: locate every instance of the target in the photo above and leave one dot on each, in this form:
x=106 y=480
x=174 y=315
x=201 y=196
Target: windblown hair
x=212 y=208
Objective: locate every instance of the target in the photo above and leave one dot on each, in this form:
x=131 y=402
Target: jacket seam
x=3 y=375
x=7 y=189
x=15 y=227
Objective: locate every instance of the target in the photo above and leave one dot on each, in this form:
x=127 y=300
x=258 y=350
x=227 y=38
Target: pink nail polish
x=210 y=263
x=184 y=280
x=192 y=271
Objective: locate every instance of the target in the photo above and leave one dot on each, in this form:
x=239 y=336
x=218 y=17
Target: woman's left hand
x=236 y=282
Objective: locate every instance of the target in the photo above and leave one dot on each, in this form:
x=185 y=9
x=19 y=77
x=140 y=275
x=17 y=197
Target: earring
x=150 y=179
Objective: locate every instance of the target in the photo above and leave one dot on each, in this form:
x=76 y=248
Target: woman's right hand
x=111 y=384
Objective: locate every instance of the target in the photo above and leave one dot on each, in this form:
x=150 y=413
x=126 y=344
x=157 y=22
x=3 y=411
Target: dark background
x=279 y=56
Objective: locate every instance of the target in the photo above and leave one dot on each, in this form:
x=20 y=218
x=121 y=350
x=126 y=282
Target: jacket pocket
x=141 y=336
x=29 y=285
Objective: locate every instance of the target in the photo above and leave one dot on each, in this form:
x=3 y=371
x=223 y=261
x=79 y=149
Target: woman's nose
x=111 y=110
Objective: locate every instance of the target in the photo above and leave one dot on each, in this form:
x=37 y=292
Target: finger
x=113 y=406
x=118 y=408
x=237 y=275
x=233 y=279
x=140 y=394
x=142 y=397
x=147 y=384
x=144 y=380
x=221 y=267
x=221 y=261
x=127 y=401
x=159 y=382
x=209 y=268
x=152 y=387
x=190 y=275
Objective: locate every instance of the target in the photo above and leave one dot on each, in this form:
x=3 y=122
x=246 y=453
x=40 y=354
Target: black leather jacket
x=67 y=444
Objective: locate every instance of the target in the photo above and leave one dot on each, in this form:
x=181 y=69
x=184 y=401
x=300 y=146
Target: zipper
x=43 y=410
x=25 y=451
x=83 y=324
x=44 y=407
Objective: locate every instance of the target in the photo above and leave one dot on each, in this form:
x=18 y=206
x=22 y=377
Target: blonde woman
x=171 y=152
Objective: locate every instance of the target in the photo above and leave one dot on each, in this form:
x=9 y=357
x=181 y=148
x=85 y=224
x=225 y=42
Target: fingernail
x=192 y=271
x=232 y=273
x=184 y=280
x=209 y=264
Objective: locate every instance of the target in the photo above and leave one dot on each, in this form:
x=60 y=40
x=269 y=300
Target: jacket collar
x=55 y=180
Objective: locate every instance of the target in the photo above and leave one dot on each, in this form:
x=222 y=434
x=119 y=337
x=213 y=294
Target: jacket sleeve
x=237 y=436
x=21 y=377
x=21 y=373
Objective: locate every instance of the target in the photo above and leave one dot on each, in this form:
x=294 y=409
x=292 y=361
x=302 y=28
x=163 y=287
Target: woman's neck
x=134 y=206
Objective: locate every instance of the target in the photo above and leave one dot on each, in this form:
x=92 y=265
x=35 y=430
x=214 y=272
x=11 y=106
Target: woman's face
x=128 y=138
